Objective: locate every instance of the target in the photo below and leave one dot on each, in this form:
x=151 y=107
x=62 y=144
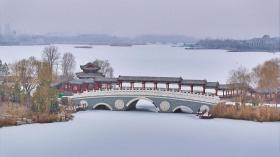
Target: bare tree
x=240 y=79
x=51 y=56
x=267 y=76
x=25 y=74
x=106 y=68
x=68 y=65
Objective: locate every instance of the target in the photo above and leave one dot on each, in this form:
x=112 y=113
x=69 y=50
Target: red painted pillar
x=180 y=86
x=191 y=88
x=203 y=89
x=143 y=85
x=120 y=84
x=155 y=85
x=80 y=88
x=131 y=85
x=167 y=86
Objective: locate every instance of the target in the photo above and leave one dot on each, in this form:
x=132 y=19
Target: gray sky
x=199 y=18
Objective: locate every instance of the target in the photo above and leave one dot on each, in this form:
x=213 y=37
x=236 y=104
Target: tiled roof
x=224 y=87
x=88 y=75
x=265 y=91
x=81 y=81
x=194 y=82
x=212 y=84
x=150 y=79
x=90 y=67
x=106 y=80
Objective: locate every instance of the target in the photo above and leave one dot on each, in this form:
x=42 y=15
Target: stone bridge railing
x=150 y=92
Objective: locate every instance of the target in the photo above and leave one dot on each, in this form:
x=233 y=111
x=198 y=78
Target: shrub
x=254 y=113
x=44 y=118
x=7 y=122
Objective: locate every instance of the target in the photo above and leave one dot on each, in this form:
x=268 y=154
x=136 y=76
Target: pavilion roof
x=150 y=79
x=224 y=86
x=81 y=81
x=91 y=67
x=212 y=85
x=194 y=82
x=83 y=75
x=106 y=80
x=265 y=90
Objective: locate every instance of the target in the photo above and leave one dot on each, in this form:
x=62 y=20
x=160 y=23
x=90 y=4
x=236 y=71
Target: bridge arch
x=102 y=106
x=184 y=109
x=131 y=105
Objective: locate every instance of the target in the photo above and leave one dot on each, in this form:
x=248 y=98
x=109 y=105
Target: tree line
x=28 y=81
x=264 y=79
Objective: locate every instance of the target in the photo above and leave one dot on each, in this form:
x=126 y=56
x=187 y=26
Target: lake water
x=139 y=134
x=127 y=134
x=153 y=60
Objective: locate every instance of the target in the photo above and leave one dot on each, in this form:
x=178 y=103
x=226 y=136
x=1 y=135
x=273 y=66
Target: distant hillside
x=266 y=43
x=92 y=39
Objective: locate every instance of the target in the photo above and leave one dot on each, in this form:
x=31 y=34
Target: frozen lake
x=153 y=60
x=139 y=134
x=127 y=134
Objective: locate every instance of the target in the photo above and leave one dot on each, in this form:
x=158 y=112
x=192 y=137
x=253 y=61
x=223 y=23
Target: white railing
x=160 y=92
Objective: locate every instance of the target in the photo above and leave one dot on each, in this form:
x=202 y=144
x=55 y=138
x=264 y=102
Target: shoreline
x=44 y=119
x=69 y=116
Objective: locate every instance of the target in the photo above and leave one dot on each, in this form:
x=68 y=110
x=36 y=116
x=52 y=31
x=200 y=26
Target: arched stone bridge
x=126 y=99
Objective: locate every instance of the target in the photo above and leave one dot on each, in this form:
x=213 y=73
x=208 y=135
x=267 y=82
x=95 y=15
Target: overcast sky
x=198 y=18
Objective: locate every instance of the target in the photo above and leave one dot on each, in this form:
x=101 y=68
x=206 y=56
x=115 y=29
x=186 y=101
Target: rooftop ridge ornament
x=90 y=67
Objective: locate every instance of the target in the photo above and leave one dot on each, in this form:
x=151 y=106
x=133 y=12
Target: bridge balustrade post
x=216 y=91
x=223 y=93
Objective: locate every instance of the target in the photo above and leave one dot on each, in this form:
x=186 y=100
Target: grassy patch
x=253 y=113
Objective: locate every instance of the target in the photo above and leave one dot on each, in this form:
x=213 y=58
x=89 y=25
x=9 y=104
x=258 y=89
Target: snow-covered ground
x=138 y=134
